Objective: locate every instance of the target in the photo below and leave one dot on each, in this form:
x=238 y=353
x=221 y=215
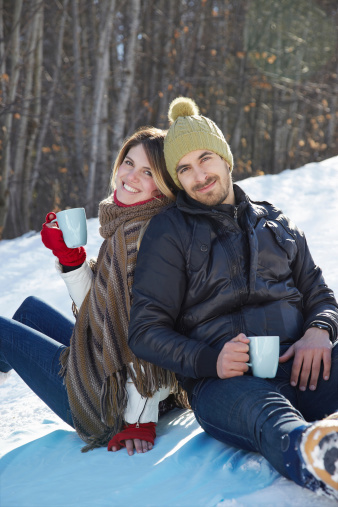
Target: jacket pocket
x=200 y=246
x=277 y=250
x=284 y=239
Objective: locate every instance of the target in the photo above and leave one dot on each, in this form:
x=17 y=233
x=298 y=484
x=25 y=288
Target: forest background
x=78 y=76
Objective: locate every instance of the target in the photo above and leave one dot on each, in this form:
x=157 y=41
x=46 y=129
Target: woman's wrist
x=67 y=269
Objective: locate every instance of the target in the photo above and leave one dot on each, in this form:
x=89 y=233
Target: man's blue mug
x=264 y=355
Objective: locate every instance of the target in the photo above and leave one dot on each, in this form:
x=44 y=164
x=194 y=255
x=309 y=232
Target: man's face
x=205 y=177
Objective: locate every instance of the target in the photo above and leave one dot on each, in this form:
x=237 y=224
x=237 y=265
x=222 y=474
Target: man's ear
x=228 y=165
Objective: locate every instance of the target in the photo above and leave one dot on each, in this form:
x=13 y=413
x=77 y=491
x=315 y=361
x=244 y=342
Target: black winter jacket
x=204 y=275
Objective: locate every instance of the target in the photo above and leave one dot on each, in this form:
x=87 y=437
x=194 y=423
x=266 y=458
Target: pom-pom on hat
x=189 y=131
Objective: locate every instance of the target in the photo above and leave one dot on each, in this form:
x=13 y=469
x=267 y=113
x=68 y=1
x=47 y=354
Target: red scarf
x=119 y=203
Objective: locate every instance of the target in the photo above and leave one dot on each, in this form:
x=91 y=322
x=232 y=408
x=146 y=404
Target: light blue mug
x=264 y=355
x=73 y=224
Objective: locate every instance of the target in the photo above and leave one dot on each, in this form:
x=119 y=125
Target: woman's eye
x=148 y=173
x=128 y=162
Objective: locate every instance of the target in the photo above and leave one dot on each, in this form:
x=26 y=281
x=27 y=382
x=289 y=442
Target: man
x=216 y=268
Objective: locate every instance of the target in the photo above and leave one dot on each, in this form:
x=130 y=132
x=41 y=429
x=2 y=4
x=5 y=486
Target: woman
x=102 y=390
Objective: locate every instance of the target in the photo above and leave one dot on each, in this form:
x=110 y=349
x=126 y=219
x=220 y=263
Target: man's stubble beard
x=212 y=199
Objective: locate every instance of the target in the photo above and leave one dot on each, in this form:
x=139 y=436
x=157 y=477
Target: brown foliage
x=255 y=67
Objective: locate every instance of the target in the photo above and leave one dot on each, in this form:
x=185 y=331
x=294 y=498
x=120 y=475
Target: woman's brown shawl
x=97 y=363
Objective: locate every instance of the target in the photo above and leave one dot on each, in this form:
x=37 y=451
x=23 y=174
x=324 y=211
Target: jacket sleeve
x=78 y=282
x=158 y=293
x=319 y=303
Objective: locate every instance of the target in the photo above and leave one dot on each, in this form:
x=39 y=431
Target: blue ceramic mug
x=73 y=224
x=264 y=355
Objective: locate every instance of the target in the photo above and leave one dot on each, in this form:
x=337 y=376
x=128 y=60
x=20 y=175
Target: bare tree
x=78 y=76
x=127 y=80
x=7 y=127
x=45 y=120
x=78 y=88
x=34 y=123
x=19 y=183
x=101 y=74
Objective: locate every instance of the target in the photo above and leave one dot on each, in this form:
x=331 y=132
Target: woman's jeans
x=31 y=344
x=259 y=414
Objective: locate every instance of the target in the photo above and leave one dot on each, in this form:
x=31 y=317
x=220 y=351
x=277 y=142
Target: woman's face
x=134 y=181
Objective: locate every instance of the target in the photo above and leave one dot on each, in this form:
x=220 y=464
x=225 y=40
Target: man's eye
x=183 y=170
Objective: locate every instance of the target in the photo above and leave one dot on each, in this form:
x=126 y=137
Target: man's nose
x=200 y=173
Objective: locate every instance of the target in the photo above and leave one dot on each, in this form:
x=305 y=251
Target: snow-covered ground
x=41 y=463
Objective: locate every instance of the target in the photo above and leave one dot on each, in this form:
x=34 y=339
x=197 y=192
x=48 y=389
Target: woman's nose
x=132 y=175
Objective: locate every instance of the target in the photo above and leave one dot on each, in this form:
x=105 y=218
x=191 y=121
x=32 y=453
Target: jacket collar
x=254 y=210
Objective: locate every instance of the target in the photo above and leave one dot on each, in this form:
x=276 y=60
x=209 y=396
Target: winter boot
x=319 y=451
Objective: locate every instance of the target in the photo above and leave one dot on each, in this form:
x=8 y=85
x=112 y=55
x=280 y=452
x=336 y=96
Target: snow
x=41 y=463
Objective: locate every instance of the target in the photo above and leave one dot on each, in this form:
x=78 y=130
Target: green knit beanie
x=189 y=131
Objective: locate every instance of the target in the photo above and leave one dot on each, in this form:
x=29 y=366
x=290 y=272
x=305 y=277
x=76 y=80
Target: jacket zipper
x=233 y=220
x=236 y=214
x=231 y=253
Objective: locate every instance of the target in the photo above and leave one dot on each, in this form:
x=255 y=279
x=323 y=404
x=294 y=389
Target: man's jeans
x=31 y=344
x=259 y=414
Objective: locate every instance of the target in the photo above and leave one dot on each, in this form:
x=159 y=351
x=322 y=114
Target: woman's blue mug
x=73 y=224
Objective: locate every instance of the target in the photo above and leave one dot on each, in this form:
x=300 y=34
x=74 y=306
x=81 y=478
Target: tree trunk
x=78 y=93
x=34 y=126
x=50 y=102
x=2 y=54
x=19 y=185
x=101 y=74
x=7 y=129
x=120 y=114
x=167 y=63
x=103 y=169
x=237 y=131
x=331 y=127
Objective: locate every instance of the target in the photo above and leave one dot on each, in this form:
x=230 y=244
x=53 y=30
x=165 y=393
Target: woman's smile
x=129 y=188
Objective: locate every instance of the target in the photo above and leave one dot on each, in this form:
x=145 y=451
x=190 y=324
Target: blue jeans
x=258 y=415
x=31 y=344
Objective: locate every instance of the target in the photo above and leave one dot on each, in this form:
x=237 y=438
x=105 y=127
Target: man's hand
x=309 y=352
x=139 y=445
x=233 y=357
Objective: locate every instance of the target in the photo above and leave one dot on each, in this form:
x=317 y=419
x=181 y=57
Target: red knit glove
x=143 y=431
x=52 y=238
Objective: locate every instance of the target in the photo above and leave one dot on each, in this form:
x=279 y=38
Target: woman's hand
x=51 y=220
x=52 y=238
x=146 y=433
x=139 y=445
